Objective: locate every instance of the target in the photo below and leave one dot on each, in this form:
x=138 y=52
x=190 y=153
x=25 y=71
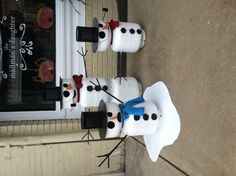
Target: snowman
x=88 y=92
x=152 y=116
x=69 y=94
x=81 y=90
x=121 y=36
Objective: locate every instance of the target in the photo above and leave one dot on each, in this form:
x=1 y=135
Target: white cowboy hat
x=170 y=121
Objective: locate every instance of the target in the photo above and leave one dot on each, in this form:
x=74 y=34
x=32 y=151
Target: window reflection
x=27 y=54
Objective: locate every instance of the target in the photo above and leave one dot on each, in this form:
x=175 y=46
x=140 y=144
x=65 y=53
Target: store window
x=27 y=54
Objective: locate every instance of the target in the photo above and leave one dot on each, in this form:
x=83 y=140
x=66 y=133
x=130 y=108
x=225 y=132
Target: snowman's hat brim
x=170 y=121
x=95 y=44
x=102 y=108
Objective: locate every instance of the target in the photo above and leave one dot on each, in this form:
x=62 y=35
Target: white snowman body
x=127 y=37
x=143 y=125
x=91 y=95
x=125 y=89
x=113 y=120
x=104 y=36
x=69 y=94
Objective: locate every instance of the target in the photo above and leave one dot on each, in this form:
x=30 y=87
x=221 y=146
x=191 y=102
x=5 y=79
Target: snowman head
x=104 y=36
x=113 y=120
x=69 y=93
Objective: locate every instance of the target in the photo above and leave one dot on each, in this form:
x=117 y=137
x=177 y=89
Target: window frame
x=66 y=47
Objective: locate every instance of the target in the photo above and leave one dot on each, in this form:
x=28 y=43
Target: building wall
x=55 y=147
x=64 y=159
x=101 y=63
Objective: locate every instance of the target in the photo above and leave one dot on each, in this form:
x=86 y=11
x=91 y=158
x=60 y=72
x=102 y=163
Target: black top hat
x=88 y=34
x=52 y=93
x=96 y=119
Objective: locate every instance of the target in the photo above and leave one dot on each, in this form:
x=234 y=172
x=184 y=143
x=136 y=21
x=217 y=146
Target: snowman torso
x=134 y=125
x=125 y=89
x=91 y=95
x=143 y=125
x=128 y=37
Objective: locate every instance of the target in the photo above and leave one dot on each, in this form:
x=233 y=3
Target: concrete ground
x=191 y=46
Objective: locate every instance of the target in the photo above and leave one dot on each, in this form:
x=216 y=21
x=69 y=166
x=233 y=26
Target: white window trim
x=68 y=61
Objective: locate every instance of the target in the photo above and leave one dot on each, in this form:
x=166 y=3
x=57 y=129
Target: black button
x=66 y=93
x=139 y=31
x=132 y=31
x=110 y=124
x=105 y=88
x=154 y=116
x=136 y=117
x=100 y=25
x=123 y=30
x=119 y=117
x=145 y=117
x=97 y=88
x=90 y=88
x=102 y=35
x=65 y=85
x=109 y=114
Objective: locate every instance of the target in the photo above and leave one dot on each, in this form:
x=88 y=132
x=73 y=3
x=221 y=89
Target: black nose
x=66 y=93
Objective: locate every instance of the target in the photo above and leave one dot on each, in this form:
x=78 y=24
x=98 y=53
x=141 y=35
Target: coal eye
x=119 y=117
x=139 y=31
x=109 y=114
x=123 y=30
x=132 y=31
x=66 y=94
x=102 y=35
x=65 y=85
x=74 y=94
x=100 y=25
x=110 y=125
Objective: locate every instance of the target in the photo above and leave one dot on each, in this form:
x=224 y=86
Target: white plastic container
x=125 y=89
x=143 y=125
x=90 y=96
x=128 y=37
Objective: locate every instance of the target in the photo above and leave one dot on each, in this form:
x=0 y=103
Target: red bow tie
x=78 y=83
x=114 y=24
